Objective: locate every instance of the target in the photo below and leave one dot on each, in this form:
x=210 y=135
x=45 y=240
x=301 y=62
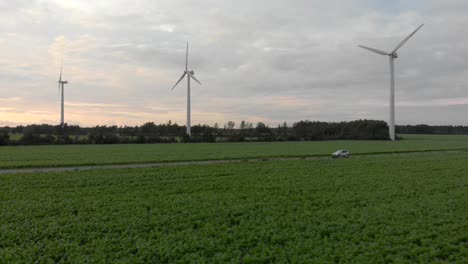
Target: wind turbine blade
x=186 y=58
x=193 y=77
x=375 y=50
x=183 y=75
x=60 y=78
x=58 y=92
x=406 y=39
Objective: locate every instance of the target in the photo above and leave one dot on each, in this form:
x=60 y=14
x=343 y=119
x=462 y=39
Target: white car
x=341 y=154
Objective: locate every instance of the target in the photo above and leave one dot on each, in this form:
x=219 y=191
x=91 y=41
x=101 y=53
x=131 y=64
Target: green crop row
x=367 y=209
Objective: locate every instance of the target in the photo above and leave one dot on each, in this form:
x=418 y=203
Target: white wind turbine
x=190 y=74
x=392 y=55
x=61 y=91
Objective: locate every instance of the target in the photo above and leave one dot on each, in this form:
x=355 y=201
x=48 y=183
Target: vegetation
x=46 y=156
x=369 y=209
x=425 y=129
x=231 y=132
x=171 y=133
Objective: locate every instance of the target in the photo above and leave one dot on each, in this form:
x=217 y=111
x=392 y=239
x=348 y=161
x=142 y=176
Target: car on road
x=341 y=154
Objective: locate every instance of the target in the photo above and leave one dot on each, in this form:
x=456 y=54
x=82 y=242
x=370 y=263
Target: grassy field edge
x=258 y=157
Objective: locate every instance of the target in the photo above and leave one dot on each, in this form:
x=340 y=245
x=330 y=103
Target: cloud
x=11 y=99
x=437 y=102
x=100 y=105
x=167 y=28
x=71 y=51
x=257 y=60
x=6 y=109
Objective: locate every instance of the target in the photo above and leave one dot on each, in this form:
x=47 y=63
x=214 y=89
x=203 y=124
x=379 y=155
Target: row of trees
x=171 y=132
x=425 y=129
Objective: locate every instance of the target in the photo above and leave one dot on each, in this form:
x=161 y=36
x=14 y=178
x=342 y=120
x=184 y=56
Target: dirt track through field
x=204 y=162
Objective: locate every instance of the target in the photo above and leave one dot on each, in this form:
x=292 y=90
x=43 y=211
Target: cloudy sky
x=270 y=61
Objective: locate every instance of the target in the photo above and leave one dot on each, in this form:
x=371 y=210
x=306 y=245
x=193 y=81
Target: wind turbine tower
x=61 y=91
x=392 y=56
x=190 y=74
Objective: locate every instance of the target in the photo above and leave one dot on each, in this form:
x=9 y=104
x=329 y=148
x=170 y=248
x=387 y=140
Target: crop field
x=16 y=136
x=69 y=155
x=367 y=209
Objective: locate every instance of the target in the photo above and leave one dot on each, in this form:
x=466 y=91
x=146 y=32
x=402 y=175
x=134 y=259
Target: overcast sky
x=271 y=61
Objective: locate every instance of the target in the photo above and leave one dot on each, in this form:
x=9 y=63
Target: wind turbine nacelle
x=192 y=72
x=394 y=55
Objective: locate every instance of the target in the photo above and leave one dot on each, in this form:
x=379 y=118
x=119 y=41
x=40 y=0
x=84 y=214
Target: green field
x=16 y=136
x=69 y=155
x=367 y=209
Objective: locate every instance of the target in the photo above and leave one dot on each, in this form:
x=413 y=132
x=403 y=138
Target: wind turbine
x=392 y=55
x=61 y=91
x=190 y=74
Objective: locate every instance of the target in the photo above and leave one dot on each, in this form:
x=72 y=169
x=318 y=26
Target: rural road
x=144 y=165
x=184 y=163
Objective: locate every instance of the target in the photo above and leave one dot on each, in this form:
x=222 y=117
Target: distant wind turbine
x=190 y=74
x=392 y=55
x=61 y=91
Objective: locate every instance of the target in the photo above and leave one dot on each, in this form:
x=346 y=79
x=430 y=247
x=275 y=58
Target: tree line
x=173 y=133
x=426 y=129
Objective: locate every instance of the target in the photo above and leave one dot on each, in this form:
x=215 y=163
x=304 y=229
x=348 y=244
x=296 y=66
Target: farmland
x=368 y=209
x=71 y=155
